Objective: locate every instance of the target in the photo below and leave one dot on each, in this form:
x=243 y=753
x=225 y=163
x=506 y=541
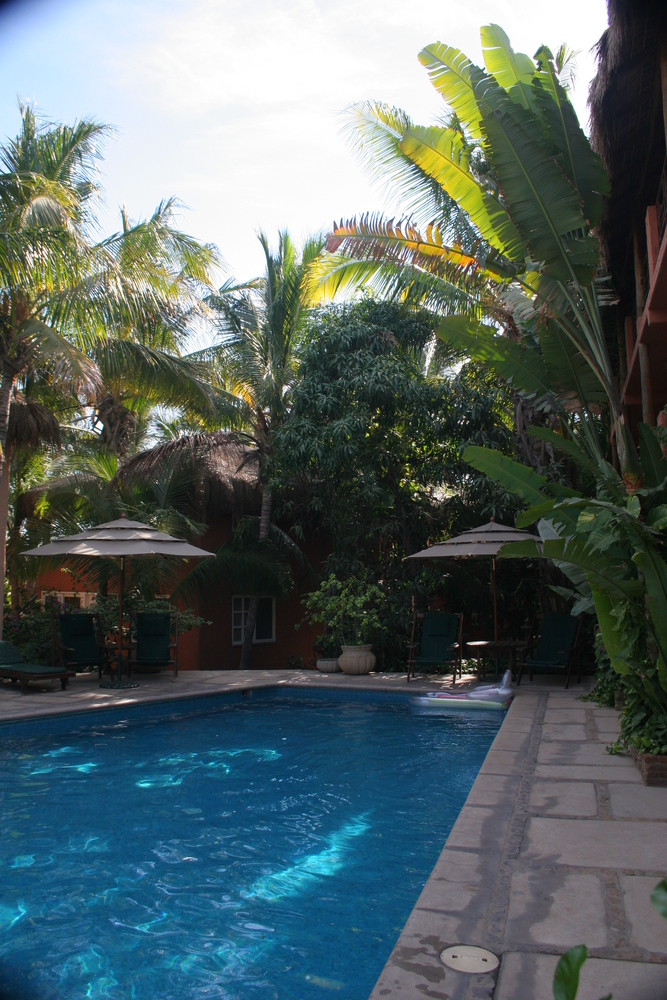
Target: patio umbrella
x=120 y=539
x=486 y=540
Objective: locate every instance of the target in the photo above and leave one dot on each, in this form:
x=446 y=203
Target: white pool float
x=487 y=696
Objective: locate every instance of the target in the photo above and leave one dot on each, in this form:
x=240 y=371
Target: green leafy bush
x=349 y=611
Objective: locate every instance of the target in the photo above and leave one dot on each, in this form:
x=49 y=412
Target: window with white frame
x=265 y=625
x=69 y=598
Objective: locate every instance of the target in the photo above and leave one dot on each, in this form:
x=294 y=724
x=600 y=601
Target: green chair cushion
x=557 y=638
x=8 y=655
x=439 y=634
x=79 y=639
x=153 y=637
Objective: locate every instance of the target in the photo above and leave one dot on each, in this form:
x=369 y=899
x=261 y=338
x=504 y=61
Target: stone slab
x=564 y=798
x=563 y=731
x=530 y=977
x=568 y=752
x=594 y=843
x=632 y=801
x=603 y=772
x=648 y=929
x=565 y=715
x=558 y=909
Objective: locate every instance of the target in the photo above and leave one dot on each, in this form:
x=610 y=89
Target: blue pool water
x=272 y=848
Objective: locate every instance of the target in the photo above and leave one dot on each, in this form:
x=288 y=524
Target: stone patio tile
x=503 y=762
x=493 y=789
x=565 y=715
x=479 y=828
x=459 y=866
x=567 y=752
x=607 y=725
x=648 y=927
x=564 y=798
x=519 y=723
x=529 y=977
x=639 y=802
x=556 y=908
x=563 y=732
x=508 y=740
x=591 y=843
x=602 y=772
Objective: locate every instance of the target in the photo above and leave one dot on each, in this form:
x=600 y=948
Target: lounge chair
x=153 y=649
x=555 y=651
x=83 y=643
x=440 y=644
x=14 y=668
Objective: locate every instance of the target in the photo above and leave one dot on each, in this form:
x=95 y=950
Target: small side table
x=478 y=648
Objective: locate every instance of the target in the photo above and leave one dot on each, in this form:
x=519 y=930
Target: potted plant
x=349 y=612
x=327 y=648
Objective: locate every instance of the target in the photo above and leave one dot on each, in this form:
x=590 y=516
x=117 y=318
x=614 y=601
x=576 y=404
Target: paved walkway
x=558 y=844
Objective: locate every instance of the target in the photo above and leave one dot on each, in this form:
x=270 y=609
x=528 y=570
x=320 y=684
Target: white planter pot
x=328 y=666
x=356 y=659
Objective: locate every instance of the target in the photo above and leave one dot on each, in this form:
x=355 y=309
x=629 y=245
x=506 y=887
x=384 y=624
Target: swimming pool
x=271 y=848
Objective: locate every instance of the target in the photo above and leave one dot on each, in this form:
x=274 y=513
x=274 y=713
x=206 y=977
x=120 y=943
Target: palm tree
x=257 y=360
x=66 y=300
x=504 y=198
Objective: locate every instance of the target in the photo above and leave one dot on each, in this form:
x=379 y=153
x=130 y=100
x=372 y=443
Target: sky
x=235 y=106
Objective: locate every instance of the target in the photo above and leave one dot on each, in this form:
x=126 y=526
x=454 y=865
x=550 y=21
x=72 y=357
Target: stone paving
x=558 y=844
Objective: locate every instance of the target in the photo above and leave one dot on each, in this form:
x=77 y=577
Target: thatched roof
x=627 y=127
x=222 y=470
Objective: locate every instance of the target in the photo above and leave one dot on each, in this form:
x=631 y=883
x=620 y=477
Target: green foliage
x=566 y=977
x=348 y=609
x=659 y=898
x=107 y=608
x=607 y=680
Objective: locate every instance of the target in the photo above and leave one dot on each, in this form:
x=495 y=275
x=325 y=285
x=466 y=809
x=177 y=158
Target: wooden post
x=495 y=600
x=652 y=240
x=647 y=394
x=629 y=341
x=663 y=77
x=120 y=619
x=639 y=284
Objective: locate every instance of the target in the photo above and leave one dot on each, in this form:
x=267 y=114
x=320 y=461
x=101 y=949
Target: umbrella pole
x=495 y=609
x=120 y=618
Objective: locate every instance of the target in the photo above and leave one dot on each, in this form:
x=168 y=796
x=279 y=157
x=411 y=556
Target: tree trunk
x=6 y=386
x=264 y=522
x=4 y=515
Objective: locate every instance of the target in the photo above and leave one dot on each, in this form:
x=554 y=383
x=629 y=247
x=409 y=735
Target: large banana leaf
x=570 y=372
x=520 y=365
x=512 y=70
x=583 y=167
x=540 y=199
x=453 y=76
x=653 y=462
x=445 y=156
x=654 y=571
x=568 y=447
x=602 y=570
x=611 y=636
x=516 y=478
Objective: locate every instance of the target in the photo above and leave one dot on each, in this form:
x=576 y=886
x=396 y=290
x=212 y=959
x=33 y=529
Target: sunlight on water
x=326 y=863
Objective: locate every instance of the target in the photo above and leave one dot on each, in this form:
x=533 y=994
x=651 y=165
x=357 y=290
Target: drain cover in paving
x=468 y=958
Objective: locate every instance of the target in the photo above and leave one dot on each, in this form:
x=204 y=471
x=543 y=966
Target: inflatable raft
x=486 y=697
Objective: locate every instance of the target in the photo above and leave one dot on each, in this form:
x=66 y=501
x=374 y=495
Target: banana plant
x=503 y=199
x=609 y=545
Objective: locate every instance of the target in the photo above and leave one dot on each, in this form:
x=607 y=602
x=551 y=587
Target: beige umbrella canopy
x=486 y=540
x=118 y=540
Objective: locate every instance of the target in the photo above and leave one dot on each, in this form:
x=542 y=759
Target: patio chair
x=14 y=668
x=440 y=644
x=83 y=643
x=153 y=649
x=555 y=651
